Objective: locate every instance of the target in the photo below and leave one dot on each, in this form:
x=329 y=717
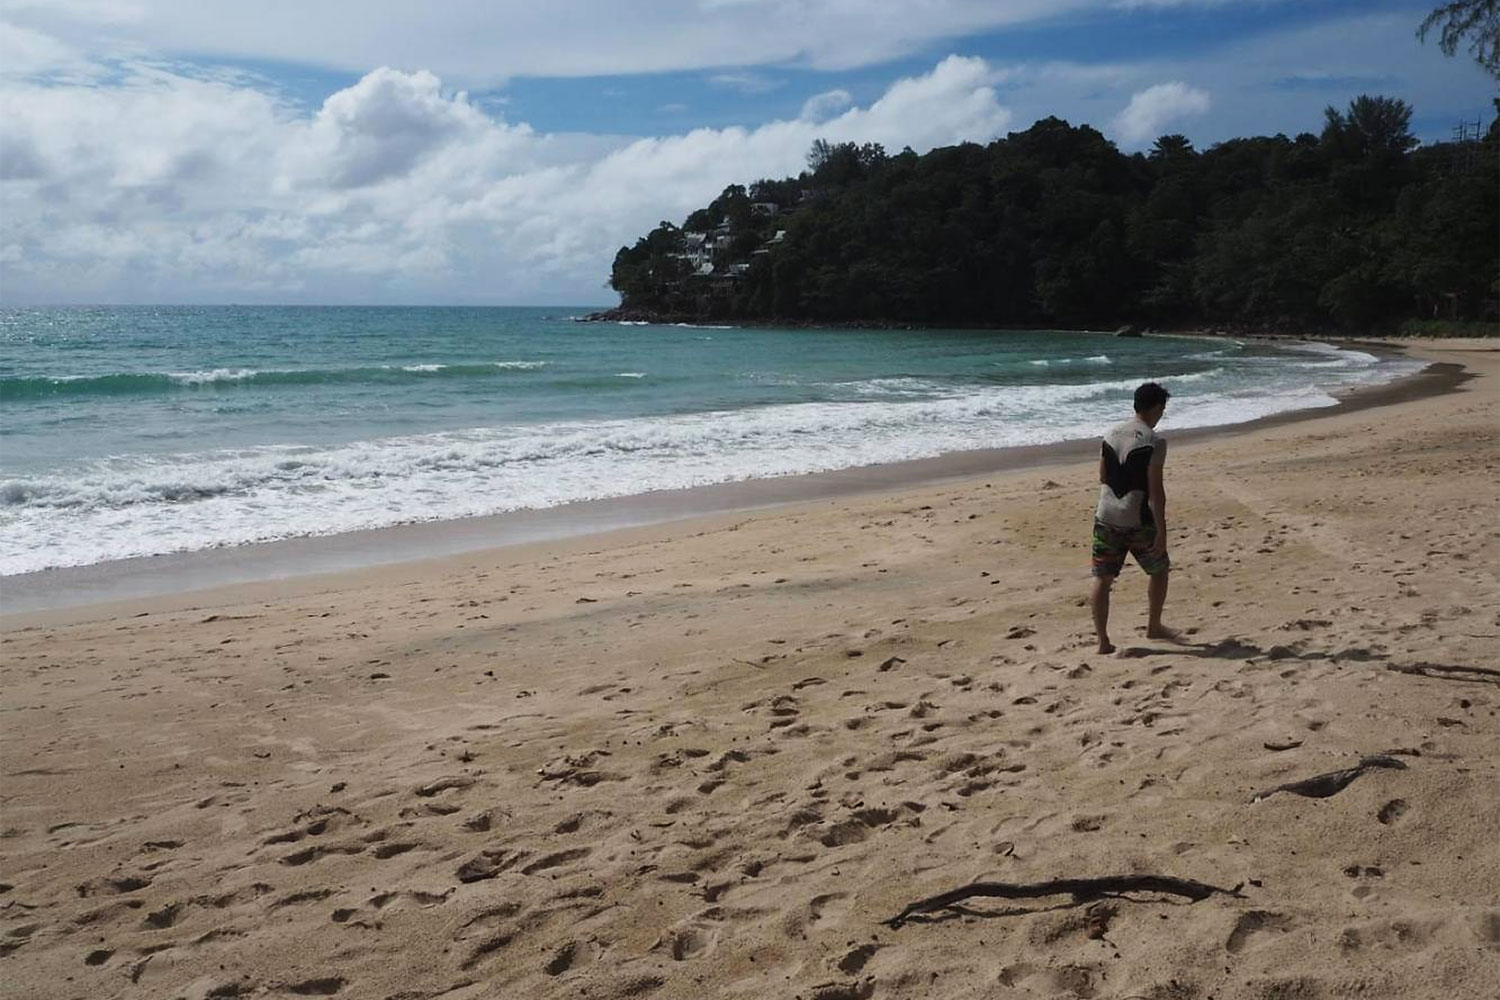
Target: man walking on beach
x=1132 y=513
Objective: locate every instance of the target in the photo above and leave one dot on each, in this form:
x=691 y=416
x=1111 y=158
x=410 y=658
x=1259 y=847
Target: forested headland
x=1357 y=228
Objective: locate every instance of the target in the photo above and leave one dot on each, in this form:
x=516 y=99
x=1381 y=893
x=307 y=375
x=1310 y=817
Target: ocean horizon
x=146 y=430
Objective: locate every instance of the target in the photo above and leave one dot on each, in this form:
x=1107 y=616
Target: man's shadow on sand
x=1234 y=648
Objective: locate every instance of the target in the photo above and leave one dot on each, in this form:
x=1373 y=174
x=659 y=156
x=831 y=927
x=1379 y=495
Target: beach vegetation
x=1356 y=227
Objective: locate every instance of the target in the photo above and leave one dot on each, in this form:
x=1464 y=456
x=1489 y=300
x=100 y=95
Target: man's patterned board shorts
x=1111 y=545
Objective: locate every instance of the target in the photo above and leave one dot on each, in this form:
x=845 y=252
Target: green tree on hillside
x=1355 y=227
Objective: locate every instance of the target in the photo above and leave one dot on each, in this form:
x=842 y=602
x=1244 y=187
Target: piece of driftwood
x=1448 y=672
x=1320 y=786
x=1081 y=889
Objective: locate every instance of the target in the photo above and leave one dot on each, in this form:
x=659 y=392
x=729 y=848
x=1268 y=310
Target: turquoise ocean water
x=146 y=430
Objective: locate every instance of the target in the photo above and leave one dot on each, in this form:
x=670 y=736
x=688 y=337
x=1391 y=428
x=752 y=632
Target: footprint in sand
x=17 y=936
x=580 y=821
x=828 y=909
x=1252 y=923
x=570 y=956
x=855 y=959
x=556 y=860
x=441 y=785
x=113 y=885
x=486 y=920
x=1487 y=929
x=489 y=864
x=576 y=770
x=694 y=940
x=862 y=990
x=1392 y=935
x=784 y=711
x=370 y=914
x=241 y=896
x=482 y=821
x=1014 y=975
x=636 y=985
x=493 y=942
x=1076 y=980
x=165 y=917
x=310 y=854
x=1392 y=811
x=423 y=899
x=301 y=898
x=1066 y=980
x=323 y=986
x=857 y=827
x=385 y=851
x=314 y=822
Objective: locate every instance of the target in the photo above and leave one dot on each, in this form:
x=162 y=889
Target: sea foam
x=143 y=505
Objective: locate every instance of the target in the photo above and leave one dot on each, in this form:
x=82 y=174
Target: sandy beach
x=714 y=757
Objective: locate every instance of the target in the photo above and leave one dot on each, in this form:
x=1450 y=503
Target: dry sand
x=709 y=759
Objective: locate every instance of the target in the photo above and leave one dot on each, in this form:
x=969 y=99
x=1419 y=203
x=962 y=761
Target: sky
x=499 y=152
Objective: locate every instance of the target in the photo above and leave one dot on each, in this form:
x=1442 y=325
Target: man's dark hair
x=1149 y=396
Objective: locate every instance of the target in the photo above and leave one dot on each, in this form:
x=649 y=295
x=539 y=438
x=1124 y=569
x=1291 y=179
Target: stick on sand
x=1079 y=888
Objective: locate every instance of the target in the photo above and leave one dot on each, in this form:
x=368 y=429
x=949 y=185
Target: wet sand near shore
x=710 y=758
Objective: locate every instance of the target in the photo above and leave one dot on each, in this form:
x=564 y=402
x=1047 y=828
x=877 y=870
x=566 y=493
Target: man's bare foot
x=1162 y=632
x=1106 y=647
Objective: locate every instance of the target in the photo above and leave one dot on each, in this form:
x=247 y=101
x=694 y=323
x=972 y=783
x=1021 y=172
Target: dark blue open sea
x=138 y=431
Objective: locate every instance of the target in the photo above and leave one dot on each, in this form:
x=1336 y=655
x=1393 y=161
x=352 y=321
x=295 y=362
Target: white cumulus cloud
x=1151 y=110
x=384 y=125
x=821 y=107
x=155 y=186
x=746 y=83
x=481 y=42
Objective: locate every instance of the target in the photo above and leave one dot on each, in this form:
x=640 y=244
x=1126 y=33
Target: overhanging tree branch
x=1476 y=20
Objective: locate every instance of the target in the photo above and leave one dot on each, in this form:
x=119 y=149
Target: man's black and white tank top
x=1128 y=450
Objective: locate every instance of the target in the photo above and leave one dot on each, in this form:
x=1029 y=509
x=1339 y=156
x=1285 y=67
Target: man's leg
x=1108 y=551
x=1158 y=569
x=1099 y=599
x=1156 y=597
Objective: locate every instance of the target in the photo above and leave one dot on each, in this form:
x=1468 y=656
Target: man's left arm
x=1156 y=496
